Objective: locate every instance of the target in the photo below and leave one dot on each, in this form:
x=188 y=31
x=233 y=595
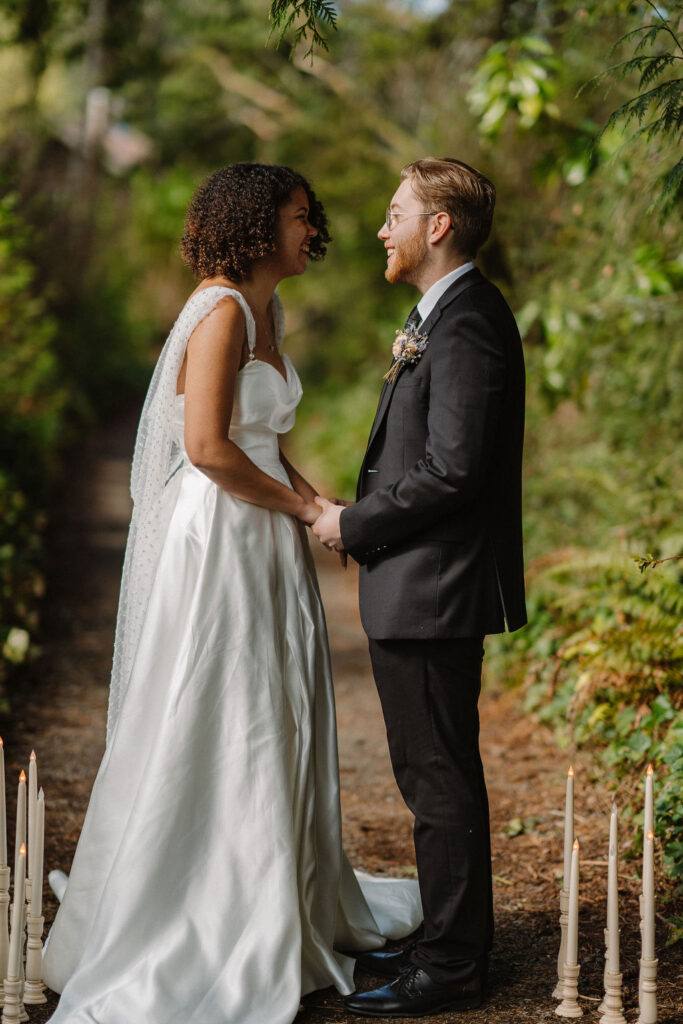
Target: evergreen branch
x=666 y=95
x=672 y=184
x=304 y=16
x=648 y=32
x=648 y=68
x=666 y=24
x=655 y=66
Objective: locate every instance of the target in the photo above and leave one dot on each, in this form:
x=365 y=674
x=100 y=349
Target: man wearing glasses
x=437 y=530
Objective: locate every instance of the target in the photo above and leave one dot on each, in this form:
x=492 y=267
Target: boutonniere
x=407 y=348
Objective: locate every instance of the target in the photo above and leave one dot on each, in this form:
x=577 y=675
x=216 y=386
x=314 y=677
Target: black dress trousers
x=429 y=691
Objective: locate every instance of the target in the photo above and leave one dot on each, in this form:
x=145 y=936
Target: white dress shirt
x=433 y=294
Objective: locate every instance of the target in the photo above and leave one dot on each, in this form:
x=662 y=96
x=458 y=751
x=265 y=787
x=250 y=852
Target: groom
x=437 y=530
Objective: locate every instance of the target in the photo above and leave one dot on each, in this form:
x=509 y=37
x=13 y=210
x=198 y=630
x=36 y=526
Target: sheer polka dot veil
x=155 y=461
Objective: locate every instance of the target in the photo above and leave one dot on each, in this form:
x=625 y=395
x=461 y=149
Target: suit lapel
x=462 y=284
x=382 y=406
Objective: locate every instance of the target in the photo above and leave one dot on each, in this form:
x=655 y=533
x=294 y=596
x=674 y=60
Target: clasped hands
x=326 y=525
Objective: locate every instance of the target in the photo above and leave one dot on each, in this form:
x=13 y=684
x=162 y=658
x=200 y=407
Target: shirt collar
x=433 y=294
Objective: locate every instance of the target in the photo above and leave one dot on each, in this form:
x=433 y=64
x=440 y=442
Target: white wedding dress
x=209 y=884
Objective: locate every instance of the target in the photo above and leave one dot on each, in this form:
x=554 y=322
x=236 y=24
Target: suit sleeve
x=467 y=381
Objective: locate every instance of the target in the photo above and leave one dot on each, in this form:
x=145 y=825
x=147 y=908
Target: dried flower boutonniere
x=407 y=348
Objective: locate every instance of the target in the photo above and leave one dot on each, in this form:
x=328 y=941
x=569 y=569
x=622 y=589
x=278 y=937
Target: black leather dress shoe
x=415 y=994
x=386 y=965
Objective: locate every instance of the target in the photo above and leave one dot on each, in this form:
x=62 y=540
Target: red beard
x=408 y=257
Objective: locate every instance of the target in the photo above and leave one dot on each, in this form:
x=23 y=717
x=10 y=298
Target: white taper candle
x=3 y=809
x=649 y=896
x=37 y=889
x=17 y=936
x=21 y=822
x=649 y=819
x=613 y=896
x=32 y=801
x=573 y=923
x=568 y=827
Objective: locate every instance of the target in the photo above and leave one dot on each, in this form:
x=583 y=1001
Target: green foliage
x=645 y=562
x=32 y=403
x=595 y=278
x=32 y=412
x=515 y=76
x=658 y=107
x=304 y=16
x=602 y=663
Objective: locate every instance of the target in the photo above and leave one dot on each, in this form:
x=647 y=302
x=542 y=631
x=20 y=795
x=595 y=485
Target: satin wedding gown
x=209 y=884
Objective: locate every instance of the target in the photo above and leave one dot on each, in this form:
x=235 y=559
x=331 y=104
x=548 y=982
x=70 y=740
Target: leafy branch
x=658 y=109
x=306 y=18
x=649 y=561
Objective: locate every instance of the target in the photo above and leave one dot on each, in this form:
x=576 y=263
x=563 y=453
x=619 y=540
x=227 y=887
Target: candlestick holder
x=4 y=925
x=558 y=992
x=23 y=1016
x=603 y=1005
x=569 y=1007
x=34 y=989
x=613 y=1007
x=641 y=929
x=647 y=992
x=14 y=1008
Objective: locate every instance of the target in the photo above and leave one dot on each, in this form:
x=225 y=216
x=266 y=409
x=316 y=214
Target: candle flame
x=570 y=773
x=1 y=743
x=650 y=834
x=650 y=770
x=22 y=776
x=575 y=845
x=22 y=850
x=33 y=755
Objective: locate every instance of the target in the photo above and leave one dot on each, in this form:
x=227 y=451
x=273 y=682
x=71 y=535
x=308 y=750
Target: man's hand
x=326 y=526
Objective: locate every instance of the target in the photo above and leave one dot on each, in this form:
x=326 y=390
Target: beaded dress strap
x=209 y=302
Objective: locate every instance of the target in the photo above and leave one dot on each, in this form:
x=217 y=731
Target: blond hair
x=443 y=183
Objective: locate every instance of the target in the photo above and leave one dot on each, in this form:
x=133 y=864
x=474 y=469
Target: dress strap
x=205 y=301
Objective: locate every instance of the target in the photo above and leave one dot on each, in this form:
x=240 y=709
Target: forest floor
x=61 y=711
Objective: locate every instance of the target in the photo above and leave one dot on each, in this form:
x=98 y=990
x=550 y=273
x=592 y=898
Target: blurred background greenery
x=112 y=113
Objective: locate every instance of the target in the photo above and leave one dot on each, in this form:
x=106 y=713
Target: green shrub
x=33 y=409
x=602 y=663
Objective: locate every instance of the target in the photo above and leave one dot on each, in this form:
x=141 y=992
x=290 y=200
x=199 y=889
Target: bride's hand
x=309 y=512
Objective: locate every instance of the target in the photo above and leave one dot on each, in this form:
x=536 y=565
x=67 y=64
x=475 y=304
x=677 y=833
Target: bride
x=209 y=884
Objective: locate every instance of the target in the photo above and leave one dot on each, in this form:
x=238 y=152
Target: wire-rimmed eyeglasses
x=391 y=216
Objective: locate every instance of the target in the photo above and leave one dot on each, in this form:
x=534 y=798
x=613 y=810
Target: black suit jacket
x=437 y=526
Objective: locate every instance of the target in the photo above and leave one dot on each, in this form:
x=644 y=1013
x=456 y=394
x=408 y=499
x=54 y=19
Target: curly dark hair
x=232 y=219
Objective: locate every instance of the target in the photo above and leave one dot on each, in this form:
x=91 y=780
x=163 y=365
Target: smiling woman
x=233 y=219
x=209 y=884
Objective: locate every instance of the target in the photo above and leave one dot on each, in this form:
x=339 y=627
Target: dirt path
x=61 y=712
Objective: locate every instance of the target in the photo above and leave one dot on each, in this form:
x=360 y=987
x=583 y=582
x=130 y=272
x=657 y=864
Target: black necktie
x=413 y=319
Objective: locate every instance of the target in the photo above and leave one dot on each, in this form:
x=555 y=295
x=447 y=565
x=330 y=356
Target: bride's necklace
x=266 y=328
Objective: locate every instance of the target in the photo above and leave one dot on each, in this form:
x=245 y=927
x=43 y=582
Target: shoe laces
x=406 y=982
